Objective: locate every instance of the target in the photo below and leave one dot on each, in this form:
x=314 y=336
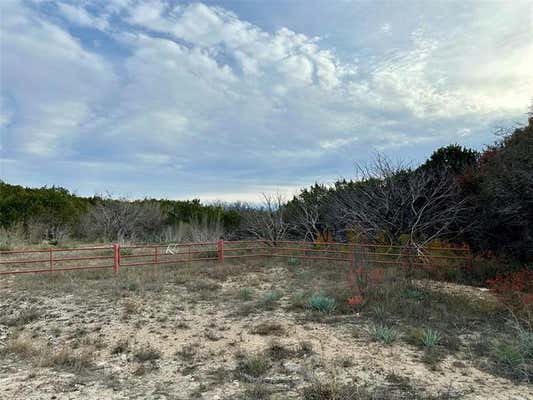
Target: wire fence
x=114 y=257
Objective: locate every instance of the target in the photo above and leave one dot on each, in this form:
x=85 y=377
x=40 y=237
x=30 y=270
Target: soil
x=198 y=332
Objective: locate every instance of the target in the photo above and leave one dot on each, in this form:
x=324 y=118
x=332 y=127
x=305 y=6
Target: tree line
x=483 y=199
x=54 y=214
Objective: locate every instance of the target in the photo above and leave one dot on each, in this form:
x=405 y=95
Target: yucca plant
x=430 y=338
x=298 y=300
x=413 y=293
x=384 y=334
x=508 y=356
x=524 y=336
x=525 y=343
x=321 y=303
x=270 y=299
x=246 y=293
x=380 y=312
x=293 y=261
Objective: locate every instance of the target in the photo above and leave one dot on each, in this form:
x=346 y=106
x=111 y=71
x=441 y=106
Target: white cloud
x=193 y=91
x=412 y=80
x=148 y=14
x=336 y=143
x=55 y=84
x=297 y=57
x=80 y=16
x=385 y=28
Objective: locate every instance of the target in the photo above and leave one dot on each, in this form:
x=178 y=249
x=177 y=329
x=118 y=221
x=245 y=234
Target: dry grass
x=251 y=366
x=146 y=353
x=78 y=361
x=22 y=345
x=24 y=317
x=195 y=329
x=268 y=328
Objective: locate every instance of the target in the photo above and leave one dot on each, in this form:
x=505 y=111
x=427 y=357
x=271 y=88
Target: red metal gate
x=114 y=257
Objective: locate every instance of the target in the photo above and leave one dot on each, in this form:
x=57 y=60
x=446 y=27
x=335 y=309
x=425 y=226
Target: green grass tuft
x=322 y=303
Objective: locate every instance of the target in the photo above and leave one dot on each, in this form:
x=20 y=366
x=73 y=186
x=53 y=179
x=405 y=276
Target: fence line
x=114 y=257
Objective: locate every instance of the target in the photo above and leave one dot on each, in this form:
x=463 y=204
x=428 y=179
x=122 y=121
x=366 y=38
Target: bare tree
x=307 y=212
x=307 y=218
x=392 y=201
x=206 y=230
x=267 y=222
x=177 y=233
x=122 y=220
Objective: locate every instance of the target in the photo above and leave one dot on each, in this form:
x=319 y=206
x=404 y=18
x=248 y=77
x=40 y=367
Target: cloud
x=181 y=99
x=54 y=85
x=80 y=16
x=295 y=56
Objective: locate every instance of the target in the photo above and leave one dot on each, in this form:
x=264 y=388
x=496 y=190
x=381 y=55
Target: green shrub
x=321 y=303
x=413 y=294
x=293 y=262
x=270 y=299
x=246 y=293
x=383 y=334
x=508 y=356
x=379 y=312
x=251 y=366
x=430 y=338
x=299 y=300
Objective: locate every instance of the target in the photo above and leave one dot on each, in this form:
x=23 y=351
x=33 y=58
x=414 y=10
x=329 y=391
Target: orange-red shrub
x=515 y=289
x=361 y=281
x=519 y=281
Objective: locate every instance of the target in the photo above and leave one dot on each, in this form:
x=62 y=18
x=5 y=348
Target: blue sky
x=229 y=99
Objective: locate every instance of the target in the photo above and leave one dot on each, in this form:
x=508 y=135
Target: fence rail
x=114 y=257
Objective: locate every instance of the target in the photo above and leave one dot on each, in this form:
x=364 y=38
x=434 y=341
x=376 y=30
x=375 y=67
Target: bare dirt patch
x=241 y=331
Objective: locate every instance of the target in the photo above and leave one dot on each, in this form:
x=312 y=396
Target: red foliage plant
x=514 y=288
x=527 y=299
x=355 y=301
x=519 y=281
x=361 y=281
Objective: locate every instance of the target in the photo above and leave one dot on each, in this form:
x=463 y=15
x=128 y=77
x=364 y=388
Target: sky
x=225 y=100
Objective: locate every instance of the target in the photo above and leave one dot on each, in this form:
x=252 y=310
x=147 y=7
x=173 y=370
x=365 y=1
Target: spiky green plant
x=384 y=334
x=508 y=356
x=413 y=293
x=270 y=299
x=298 y=300
x=380 y=312
x=321 y=303
x=293 y=261
x=246 y=293
x=430 y=338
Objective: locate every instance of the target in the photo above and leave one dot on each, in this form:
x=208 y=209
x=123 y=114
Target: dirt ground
x=209 y=332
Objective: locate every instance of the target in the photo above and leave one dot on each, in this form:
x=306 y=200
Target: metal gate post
x=116 y=258
x=220 y=248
